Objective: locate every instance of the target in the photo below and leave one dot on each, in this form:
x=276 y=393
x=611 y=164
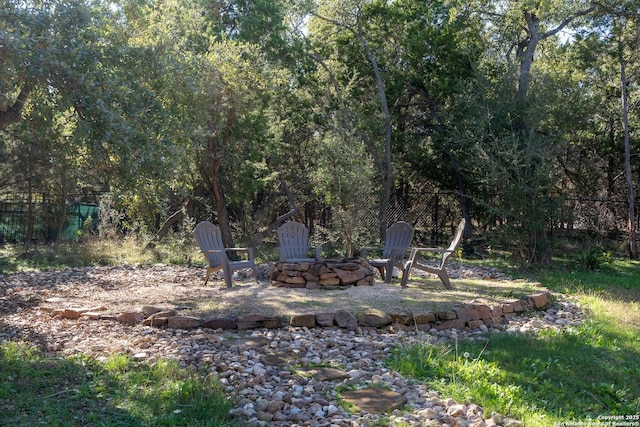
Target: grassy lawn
x=78 y=391
x=586 y=372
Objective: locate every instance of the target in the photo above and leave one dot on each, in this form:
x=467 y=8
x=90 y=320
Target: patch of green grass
x=556 y=376
x=39 y=390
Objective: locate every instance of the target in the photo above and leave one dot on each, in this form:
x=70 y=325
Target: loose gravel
x=272 y=373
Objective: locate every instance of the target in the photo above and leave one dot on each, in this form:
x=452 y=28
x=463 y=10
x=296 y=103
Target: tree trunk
x=633 y=246
x=527 y=48
x=221 y=205
x=538 y=247
x=526 y=52
x=219 y=135
x=210 y=173
x=174 y=218
x=30 y=210
x=388 y=168
x=63 y=208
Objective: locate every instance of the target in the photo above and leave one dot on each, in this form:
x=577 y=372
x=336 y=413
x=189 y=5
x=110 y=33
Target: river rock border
x=473 y=315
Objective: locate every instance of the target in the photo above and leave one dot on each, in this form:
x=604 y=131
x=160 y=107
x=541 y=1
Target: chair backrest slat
x=294 y=239
x=209 y=237
x=398 y=237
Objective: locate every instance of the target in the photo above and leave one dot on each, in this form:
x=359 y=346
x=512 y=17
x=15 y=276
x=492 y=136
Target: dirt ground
x=125 y=288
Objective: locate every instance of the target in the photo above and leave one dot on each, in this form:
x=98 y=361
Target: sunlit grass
x=556 y=376
x=92 y=251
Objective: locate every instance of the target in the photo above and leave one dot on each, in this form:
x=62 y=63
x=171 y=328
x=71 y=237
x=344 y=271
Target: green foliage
x=158 y=102
x=80 y=391
x=591 y=258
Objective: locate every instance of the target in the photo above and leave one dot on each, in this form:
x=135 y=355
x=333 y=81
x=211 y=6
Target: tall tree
x=67 y=63
x=515 y=140
x=624 y=33
x=348 y=17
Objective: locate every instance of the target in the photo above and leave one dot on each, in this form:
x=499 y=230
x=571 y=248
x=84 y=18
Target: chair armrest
x=416 y=251
x=318 y=252
x=249 y=251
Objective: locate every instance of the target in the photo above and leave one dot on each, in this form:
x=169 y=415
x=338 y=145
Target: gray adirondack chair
x=293 y=238
x=398 y=238
x=444 y=253
x=209 y=240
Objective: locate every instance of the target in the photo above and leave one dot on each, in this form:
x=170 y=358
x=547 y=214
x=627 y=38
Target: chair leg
x=445 y=278
x=405 y=274
x=206 y=279
x=255 y=274
x=389 y=274
x=227 y=277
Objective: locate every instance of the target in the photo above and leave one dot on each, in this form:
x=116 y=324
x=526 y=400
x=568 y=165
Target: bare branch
x=282 y=218
x=567 y=21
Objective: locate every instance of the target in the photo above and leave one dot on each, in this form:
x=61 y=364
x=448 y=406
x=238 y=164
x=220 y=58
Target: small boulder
x=129 y=317
x=184 y=322
x=346 y=320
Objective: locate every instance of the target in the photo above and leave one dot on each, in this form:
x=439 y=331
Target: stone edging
x=472 y=315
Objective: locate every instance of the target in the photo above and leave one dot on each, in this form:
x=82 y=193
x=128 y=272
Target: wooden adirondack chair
x=397 y=241
x=293 y=238
x=209 y=239
x=445 y=254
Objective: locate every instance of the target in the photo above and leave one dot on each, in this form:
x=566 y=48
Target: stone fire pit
x=325 y=274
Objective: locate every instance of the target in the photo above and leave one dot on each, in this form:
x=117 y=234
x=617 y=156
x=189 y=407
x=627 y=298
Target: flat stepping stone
x=327 y=374
x=374 y=400
x=247 y=342
x=277 y=359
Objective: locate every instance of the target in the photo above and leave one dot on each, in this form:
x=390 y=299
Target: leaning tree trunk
x=388 y=165
x=387 y=170
x=211 y=176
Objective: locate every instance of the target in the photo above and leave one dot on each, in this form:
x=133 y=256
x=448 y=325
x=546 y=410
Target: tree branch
x=282 y=218
x=12 y=114
x=567 y=21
